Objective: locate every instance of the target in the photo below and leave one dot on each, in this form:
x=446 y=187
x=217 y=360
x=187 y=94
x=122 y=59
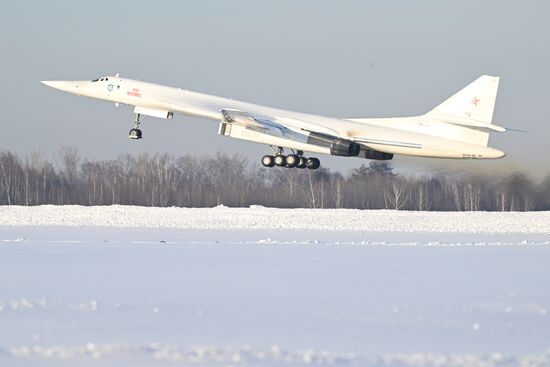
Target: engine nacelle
x=345 y=148
x=337 y=146
x=379 y=156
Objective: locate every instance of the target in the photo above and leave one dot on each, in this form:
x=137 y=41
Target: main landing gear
x=290 y=161
x=135 y=133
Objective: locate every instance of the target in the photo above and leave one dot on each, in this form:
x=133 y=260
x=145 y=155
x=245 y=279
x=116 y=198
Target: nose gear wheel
x=136 y=133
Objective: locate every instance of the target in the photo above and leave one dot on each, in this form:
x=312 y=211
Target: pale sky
x=334 y=58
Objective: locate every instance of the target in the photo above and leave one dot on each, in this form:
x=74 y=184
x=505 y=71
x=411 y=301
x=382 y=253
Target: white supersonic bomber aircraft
x=457 y=128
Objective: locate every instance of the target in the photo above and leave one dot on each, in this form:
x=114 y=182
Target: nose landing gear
x=136 y=133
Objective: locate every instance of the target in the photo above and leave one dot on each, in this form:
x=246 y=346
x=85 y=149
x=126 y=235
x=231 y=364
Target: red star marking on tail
x=475 y=101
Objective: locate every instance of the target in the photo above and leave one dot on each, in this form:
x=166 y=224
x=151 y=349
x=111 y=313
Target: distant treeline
x=190 y=181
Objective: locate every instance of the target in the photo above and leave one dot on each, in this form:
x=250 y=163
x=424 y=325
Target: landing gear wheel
x=279 y=160
x=301 y=162
x=313 y=163
x=268 y=161
x=291 y=160
x=135 y=134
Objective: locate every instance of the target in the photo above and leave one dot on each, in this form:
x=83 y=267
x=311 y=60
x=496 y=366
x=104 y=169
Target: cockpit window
x=100 y=79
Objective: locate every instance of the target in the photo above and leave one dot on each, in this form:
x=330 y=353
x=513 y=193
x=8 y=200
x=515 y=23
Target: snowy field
x=132 y=286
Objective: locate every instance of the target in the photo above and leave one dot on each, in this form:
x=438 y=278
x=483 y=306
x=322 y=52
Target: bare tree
x=396 y=195
x=69 y=159
x=165 y=180
x=338 y=191
x=421 y=195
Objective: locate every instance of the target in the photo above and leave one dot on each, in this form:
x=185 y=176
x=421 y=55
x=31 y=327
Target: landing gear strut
x=290 y=161
x=135 y=133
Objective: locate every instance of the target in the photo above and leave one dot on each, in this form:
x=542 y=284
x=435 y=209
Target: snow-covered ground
x=112 y=286
x=258 y=217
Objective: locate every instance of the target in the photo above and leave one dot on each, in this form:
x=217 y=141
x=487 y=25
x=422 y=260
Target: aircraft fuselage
x=424 y=135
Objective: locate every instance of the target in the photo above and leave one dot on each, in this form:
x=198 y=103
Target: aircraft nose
x=64 y=85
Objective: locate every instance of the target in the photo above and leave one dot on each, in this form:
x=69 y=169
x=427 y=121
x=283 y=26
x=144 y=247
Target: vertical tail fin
x=475 y=101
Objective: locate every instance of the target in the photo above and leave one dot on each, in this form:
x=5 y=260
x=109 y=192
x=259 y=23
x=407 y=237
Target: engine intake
x=338 y=146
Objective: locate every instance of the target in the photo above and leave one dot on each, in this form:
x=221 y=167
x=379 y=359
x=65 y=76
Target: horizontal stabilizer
x=468 y=122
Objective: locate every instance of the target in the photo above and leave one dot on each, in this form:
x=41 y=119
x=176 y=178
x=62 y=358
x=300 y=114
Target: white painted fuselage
x=436 y=134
